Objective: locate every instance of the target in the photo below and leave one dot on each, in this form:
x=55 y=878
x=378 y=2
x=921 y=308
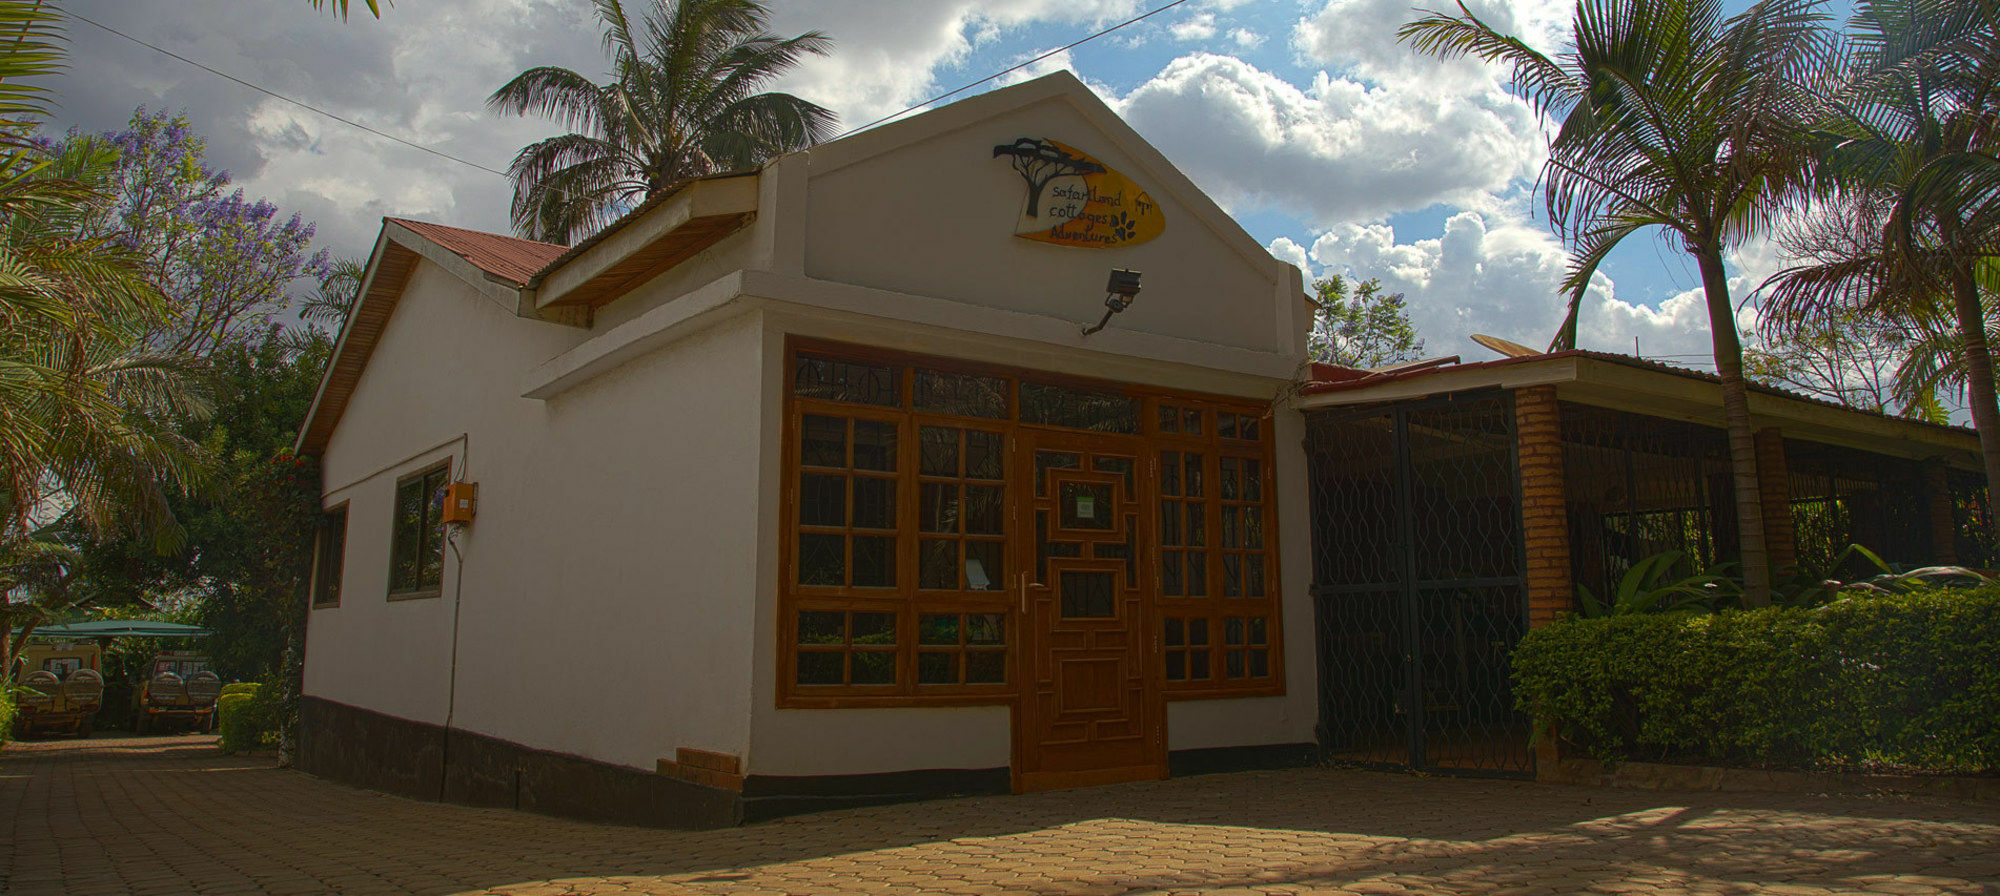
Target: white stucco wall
x=607 y=578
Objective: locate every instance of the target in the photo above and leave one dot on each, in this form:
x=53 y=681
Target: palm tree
x=682 y=102
x=1910 y=140
x=1671 y=116
x=86 y=410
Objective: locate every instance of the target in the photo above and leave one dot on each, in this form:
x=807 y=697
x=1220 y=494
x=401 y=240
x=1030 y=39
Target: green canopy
x=120 y=628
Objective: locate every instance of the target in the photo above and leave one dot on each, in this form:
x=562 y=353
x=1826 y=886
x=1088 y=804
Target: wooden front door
x=1091 y=710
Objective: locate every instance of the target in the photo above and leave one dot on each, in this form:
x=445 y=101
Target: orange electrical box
x=460 y=499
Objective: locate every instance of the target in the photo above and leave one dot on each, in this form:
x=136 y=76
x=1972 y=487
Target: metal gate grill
x=1418 y=585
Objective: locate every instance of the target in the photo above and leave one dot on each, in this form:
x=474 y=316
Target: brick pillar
x=1544 y=504
x=1943 y=523
x=1775 y=484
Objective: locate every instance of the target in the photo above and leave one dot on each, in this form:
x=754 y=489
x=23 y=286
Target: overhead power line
x=494 y=171
x=1001 y=74
x=279 y=96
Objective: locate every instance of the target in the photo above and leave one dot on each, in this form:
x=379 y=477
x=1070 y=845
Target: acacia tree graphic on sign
x=1039 y=162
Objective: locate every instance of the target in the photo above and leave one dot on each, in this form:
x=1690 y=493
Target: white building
x=804 y=486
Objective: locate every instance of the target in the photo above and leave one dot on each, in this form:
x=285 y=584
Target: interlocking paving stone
x=172 y=815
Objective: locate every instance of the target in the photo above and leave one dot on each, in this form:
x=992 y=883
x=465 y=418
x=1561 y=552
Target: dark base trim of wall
x=1213 y=760
x=774 y=796
x=423 y=761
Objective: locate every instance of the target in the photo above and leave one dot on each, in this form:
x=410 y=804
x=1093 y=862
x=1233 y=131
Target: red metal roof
x=511 y=258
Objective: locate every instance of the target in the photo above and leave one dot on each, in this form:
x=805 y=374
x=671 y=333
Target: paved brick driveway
x=170 y=815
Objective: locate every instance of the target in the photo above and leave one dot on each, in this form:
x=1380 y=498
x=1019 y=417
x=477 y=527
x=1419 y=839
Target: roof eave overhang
x=1662 y=393
x=691 y=219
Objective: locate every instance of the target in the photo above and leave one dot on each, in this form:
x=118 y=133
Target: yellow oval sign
x=1076 y=200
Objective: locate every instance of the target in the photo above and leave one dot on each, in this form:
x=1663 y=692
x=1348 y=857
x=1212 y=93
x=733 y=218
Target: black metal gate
x=1418 y=584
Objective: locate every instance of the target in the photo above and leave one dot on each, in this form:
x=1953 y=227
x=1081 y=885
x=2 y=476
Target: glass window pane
x=1176 y=666
x=823 y=441
x=408 y=536
x=1232 y=575
x=1054 y=460
x=872 y=667
x=962 y=394
x=820 y=666
x=874 y=446
x=822 y=559
x=1198 y=631
x=1257 y=630
x=986 y=628
x=1088 y=595
x=874 y=503
x=1248 y=428
x=1170 y=573
x=937 y=667
x=1233 y=659
x=1253 y=575
x=984 y=510
x=874 y=562
x=822 y=500
x=937 y=447
x=1170 y=472
x=1197 y=573
x=1253 y=527
x=982 y=566
x=1198 y=665
x=1253 y=481
x=1191 y=422
x=1119 y=465
x=1260 y=663
x=872 y=628
x=822 y=627
x=1079 y=408
x=937 y=628
x=1232 y=526
x=986 y=667
x=938 y=507
x=1176 y=631
x=1232 y=631
x=1225 y=425
x=983 y=456
x=1170 y=522
x=937 y=564
x=1170 y=418
x=1191 y=470
x=846 y=381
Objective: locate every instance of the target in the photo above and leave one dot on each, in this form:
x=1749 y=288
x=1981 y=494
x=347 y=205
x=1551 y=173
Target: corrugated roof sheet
x=512 y=258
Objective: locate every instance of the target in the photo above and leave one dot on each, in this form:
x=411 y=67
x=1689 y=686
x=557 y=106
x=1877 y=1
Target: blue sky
x=1339 y=149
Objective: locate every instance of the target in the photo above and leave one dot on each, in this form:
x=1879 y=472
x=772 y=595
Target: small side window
x=329 y=556
x=416 y=553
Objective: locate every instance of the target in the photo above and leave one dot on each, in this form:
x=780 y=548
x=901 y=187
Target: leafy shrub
x=246 y=717
x=7 y=713
x=1909 y=680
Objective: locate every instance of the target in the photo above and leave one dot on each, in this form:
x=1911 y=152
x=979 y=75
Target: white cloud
x=1339 y=150
x=1197 y=27
x=1246 y=38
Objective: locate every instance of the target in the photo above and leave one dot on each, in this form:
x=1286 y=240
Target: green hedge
x=7 y=712
x=246 y=718
x=1910 y=681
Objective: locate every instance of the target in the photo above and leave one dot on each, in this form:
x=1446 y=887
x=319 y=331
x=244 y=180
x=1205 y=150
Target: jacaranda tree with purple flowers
x=224 y=263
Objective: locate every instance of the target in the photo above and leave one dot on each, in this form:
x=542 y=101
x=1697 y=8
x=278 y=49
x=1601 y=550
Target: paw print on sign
x=1122 y=227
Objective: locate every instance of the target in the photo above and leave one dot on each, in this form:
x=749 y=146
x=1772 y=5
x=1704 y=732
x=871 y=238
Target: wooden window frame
x=909 y=603
x=419 y=593
x=322 y=561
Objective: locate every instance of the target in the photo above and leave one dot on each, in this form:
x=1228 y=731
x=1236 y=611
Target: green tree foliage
x=683 y=101
x=1362 y=326
x=250 y=533
x=1671 y=117
x=87 y=406
x=1909 y=191
x=339 y=7
x=1848 y=358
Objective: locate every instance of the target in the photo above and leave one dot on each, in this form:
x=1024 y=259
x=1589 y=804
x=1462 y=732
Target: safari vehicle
x=65 y=704
x=181 y=692
x=59 y=657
